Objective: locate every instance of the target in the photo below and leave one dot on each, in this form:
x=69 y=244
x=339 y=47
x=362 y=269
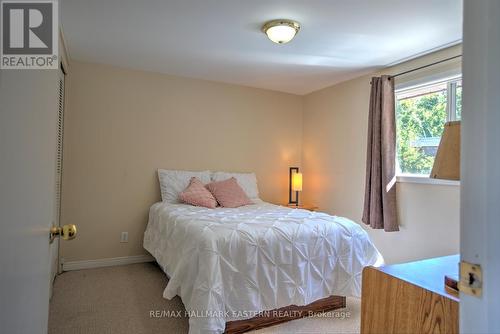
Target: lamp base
x=309 y=207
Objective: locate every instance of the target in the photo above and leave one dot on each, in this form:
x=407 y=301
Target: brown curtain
x=380 y=187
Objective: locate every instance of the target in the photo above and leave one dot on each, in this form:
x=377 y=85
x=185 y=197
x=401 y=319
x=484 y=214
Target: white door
x=480 y=174
x=28 y=132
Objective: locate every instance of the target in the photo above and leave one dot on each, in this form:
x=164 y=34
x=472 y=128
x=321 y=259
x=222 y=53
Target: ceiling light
x=281 y=31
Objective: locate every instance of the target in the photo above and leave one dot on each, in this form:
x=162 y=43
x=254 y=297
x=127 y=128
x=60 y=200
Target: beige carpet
x=120 y=300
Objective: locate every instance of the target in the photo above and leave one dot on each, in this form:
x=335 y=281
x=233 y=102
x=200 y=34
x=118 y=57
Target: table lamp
x=294 y=186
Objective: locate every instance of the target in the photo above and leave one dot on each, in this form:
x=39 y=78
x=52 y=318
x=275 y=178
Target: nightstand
x=309 y=207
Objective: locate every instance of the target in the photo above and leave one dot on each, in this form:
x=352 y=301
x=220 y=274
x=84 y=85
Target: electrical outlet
x=124 y=237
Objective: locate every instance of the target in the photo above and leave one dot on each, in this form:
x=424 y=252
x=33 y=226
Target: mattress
x=231 y=263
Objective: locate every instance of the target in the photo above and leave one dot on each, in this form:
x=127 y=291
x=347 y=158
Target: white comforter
x=227 y=264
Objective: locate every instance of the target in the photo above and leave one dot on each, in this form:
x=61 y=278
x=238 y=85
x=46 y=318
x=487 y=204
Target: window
x=421 y=112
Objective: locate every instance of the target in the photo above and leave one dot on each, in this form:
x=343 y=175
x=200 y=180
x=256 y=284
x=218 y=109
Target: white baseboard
x=115 y=261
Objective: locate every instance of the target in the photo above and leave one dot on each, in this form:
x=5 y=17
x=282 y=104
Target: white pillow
x=173 y=182
x=247 y=181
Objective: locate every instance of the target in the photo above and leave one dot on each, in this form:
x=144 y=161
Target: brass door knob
x=67 y=232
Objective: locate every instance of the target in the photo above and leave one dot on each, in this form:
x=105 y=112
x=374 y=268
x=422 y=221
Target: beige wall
x=334 y=154
x=121 y=125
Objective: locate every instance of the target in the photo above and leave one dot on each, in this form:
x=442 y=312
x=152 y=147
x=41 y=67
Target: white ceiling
x=220 y=40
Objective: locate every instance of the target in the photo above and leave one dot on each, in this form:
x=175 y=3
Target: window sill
x=425 y=180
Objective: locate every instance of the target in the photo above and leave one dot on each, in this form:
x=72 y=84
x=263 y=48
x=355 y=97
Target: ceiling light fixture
x=281 y=31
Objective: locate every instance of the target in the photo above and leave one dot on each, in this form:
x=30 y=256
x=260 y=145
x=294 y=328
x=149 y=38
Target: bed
x=230 y=264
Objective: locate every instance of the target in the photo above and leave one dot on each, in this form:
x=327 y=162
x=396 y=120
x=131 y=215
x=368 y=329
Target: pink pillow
x=228 y=193
x=196 y=194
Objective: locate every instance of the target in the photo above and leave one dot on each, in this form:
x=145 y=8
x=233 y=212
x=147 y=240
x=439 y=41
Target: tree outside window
x=421 y=113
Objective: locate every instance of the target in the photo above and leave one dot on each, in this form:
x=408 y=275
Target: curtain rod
x=428 y=65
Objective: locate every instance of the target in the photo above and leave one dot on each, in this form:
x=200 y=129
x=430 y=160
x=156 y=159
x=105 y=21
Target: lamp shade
x=297 y=181
x=447 y=161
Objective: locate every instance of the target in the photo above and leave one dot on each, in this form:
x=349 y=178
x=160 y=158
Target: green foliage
x=459 y=102
x=419 y=117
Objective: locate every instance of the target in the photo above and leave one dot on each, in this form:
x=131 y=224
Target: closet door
x=58 y=174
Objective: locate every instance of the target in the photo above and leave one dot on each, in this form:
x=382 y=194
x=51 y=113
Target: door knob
x=67 y=232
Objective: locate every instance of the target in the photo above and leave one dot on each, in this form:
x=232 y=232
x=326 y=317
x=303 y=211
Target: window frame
x=451 y=115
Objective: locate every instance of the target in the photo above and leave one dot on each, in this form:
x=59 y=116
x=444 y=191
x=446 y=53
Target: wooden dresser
x=410 y=298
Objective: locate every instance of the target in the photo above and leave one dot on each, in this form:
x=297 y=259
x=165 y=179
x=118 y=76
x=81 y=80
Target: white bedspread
x=226 y=264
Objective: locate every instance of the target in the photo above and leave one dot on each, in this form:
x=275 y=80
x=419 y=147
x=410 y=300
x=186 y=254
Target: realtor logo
x=29 y=35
